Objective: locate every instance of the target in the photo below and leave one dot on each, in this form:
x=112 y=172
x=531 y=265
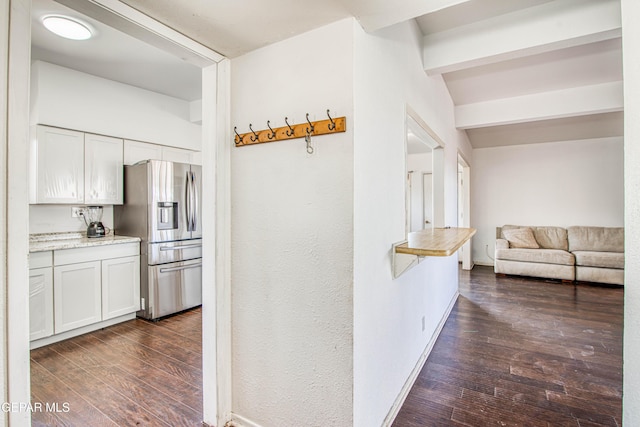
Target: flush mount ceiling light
x=67 y=27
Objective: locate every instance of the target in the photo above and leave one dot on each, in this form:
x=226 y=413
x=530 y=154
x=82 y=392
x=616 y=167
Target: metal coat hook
x=310 y=124
x=332 y=126
x=287 y=132
x=273 y=133
x=307 y=139
x=235 y=129
x=255 y=137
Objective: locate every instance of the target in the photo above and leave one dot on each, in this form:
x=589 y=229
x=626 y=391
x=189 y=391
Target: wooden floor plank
x=122 y=410
x=123 y=375
x=524 y=352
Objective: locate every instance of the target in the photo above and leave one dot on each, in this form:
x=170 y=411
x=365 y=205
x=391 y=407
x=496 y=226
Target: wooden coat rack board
x=321 y=127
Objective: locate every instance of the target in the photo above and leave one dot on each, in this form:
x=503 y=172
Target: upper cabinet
x=75 y=168
x=72 y=167
x=57 y=166
x=103 y=176
x=135 y=151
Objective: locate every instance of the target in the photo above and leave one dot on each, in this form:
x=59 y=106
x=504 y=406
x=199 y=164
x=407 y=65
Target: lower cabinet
x=76 y=295
x=119 y=296
x=84 y=286
x=40 y=303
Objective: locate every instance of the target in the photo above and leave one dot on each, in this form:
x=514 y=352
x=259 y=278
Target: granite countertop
x=56 y=241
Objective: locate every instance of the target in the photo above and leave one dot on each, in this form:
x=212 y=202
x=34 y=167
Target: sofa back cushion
x=547 y=237
x=600 y=239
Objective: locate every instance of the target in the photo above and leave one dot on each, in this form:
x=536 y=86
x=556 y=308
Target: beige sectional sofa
x=591 y=254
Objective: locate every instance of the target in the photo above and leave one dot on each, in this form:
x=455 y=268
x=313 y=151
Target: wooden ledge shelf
x=432 y=242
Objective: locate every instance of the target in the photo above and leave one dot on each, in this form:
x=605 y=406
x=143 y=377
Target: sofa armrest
x=502 y=244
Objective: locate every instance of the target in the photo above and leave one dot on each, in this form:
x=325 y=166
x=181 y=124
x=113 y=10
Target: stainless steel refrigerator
x=162 y=207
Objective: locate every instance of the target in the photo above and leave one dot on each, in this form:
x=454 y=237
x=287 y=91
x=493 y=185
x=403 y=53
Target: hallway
x=519 y=351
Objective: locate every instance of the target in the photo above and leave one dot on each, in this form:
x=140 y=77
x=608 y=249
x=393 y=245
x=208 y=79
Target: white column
x=631 y=71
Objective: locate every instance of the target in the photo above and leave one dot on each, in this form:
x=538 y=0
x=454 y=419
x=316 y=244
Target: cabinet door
x=120 y=286
x=40 y=303
x=135 y=151
x=57 y=166
x=103 y=175
x=76 y=295
x=179 y=155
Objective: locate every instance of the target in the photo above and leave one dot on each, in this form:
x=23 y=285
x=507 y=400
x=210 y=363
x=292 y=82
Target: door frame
x=15 y=40
x=465 y=188
x=424 y=201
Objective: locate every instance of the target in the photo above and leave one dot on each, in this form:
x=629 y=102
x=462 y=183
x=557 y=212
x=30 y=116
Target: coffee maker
x=92 y=218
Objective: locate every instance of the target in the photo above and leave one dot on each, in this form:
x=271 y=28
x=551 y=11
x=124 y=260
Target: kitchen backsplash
x=57 y=218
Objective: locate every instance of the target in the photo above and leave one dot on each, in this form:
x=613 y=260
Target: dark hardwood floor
x=514 y=352
x=136 y=373
x=523 y=352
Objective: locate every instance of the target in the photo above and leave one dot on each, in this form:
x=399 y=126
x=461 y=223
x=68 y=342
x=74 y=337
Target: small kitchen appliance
x=92 y=217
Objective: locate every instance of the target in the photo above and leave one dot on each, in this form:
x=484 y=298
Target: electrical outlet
x=77 y=211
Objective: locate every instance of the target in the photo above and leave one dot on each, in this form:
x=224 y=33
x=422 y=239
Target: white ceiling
x=113 y=55
x=589 y=57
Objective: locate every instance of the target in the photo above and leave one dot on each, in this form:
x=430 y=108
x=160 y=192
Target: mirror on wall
x=424 y=176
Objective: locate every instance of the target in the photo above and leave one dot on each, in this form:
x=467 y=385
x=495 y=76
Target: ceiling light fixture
x=69 y=28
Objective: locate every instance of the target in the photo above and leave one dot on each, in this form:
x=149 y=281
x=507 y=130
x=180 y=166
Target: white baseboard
x=484 y=263
x=240 y=421
x=79 y=331
x=404 y=392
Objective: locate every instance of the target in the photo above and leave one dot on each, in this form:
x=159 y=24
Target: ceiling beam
x=136 y=24
x=376 y=14
x=580 y=101
x=555 y=25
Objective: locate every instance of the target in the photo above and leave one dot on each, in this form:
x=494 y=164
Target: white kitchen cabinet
x=75 y=168
x=57 y=166
x=40 y=295
x=135 y=151
x=76 y=295
x=103 y=173
x=40 y=303
x=178 y=155
x=95 y=284
x=120 y=286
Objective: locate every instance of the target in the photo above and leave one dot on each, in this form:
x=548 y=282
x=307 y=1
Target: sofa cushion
x=547 y=237
x=600 y=239
x=547 y=256
x=600 y=259
x=613 y=276
x=537 y=269
x=521 y=238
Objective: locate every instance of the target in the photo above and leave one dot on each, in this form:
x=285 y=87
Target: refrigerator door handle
x=188 y=201
x=186 y=267
x=177 y=248
x=194 y=206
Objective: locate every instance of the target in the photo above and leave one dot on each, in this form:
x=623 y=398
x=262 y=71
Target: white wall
x=388 y=335
x=70 y=99
x=561 y=184
x=292 y=235
x=631 y=63
x=57 y=218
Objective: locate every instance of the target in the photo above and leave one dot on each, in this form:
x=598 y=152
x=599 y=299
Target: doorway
x=464 y=209
x=214 y=157
x=427 y=200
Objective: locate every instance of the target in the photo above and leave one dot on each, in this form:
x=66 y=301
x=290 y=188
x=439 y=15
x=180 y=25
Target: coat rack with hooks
x=288 y=131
